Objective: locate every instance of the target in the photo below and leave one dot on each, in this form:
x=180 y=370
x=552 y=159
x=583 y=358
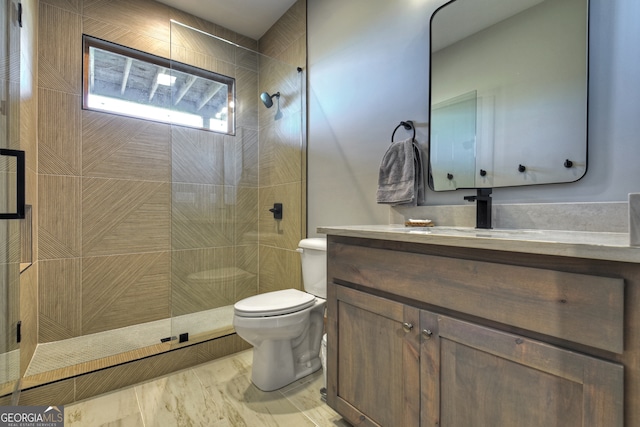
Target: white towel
x=400 y=177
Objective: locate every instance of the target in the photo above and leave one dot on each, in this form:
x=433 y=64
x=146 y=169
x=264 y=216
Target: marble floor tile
x=119 y=408
x=214 y=394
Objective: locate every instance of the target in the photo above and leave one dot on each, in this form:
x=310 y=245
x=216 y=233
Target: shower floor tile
x=74 y=351
x=218 y=393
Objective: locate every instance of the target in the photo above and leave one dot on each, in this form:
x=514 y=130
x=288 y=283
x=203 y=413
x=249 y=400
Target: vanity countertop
x=577 y=244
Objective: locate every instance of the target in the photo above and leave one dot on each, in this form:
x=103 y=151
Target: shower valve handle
x=276 y=210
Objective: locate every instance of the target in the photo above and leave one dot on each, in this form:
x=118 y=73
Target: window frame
x=90 y=41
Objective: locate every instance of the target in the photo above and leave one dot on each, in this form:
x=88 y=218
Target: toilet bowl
x=285 y=327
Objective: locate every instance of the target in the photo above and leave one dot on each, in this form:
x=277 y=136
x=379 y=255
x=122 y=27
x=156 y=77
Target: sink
x=470 y=232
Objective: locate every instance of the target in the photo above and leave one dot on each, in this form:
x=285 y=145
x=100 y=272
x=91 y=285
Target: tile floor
x=214 y=394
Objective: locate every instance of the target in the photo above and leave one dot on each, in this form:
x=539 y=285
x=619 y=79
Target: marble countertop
x=577 y=244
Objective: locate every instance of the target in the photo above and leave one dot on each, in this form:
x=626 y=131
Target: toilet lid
x=274 y=303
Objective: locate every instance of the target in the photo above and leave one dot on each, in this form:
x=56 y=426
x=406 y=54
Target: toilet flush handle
x=300 y=250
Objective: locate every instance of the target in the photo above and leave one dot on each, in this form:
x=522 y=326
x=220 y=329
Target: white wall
x=368 y=69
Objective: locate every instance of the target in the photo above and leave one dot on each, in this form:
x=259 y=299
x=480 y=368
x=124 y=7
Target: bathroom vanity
x=459 y=327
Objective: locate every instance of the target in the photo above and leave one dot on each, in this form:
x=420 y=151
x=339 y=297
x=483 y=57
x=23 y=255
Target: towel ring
x=407 y=125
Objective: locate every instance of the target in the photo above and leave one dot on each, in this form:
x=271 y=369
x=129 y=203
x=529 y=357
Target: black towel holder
x=408 y=124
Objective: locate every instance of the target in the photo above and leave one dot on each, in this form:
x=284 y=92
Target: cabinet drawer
x=585 y=309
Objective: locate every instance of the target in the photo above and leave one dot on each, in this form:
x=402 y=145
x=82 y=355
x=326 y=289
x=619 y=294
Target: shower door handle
x=20 y=184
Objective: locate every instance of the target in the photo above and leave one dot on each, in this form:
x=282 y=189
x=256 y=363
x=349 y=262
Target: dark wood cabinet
x=399 y=358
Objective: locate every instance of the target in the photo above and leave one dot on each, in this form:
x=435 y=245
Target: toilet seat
x=274 y=303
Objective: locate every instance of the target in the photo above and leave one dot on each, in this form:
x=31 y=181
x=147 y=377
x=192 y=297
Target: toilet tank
x=313 y=253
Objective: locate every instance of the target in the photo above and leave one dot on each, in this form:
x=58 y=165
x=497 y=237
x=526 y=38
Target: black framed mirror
x=508 y=97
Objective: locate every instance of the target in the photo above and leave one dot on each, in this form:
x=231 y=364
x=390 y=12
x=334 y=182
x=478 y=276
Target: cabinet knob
x=426 y=333
x=407 y=327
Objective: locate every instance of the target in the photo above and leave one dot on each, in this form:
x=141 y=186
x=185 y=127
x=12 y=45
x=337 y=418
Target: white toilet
x=285 y=327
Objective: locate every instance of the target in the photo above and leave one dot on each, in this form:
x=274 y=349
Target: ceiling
x=250 y=18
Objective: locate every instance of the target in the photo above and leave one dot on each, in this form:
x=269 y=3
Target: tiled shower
x=138 y=222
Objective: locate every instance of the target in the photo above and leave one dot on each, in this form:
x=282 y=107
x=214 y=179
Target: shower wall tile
x=247 y=99
x=59 y=299
x=123 y=290
x=247 y=260
x=126 y=36
x=221 y=347
x=135 y=372
x=202 y=216
x=28 y=314
x=213 y=28
x=203 y=43
x=203 y=279
x=296 y=53
x=74 y=6
x=146 y=17
x=291 y=26
x=59 y=146
x=120 y=216
x=247 y=157
x=59 y=50
x=62 y=392
x=198 y=156
x=202 y=60
x=246 y=220
x=284 y=233
x=277 y=76
x=59 y=219
x=281 y=152
x=279 y=269
x=125 y=148
x=247 y=59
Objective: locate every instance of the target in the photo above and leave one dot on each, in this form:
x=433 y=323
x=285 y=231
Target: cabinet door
x=374 y=360
x=484 y=377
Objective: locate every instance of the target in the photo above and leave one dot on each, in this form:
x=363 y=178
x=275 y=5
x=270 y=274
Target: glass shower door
x=11 y=169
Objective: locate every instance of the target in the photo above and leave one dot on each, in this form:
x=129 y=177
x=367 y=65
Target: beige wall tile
x=59 y=201
x=289 y=27
x=28 y=315
x=59 y=50
x=145 y=17
x=202 y=216
x=125 y=36
x=59 y=133
x=247 y=99
x=221 y=347
x=247 y=260
x=281 y=152
x=55 y=394
x=284 y=233
x=125 y=148
x=203 y=279
x=279 y=269
x=74 y=6
x=246 y=221
x=247 y=157
x=203 y=43
x=134 y=372
x=59 y=299
x=120 y=216
x=124 y=290
x=199 y=156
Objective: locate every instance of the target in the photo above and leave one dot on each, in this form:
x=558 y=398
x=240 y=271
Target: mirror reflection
x=508 y=93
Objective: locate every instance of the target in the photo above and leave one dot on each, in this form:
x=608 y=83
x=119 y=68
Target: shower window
x=125 y=81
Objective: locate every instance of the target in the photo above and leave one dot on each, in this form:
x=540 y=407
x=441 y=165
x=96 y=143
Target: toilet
x=285 y=327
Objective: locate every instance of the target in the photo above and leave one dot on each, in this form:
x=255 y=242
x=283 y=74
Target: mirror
x=508 y=95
